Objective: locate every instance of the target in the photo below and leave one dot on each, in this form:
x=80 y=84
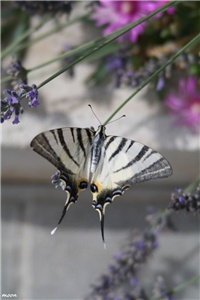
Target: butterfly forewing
x=67 y=149
x=133 y=162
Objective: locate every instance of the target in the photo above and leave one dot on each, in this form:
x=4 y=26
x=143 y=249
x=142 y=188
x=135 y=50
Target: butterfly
x=109 y=165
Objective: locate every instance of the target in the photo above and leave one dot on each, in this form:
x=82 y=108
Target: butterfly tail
x=68 y=202
x=101 y=211
x=102 y=229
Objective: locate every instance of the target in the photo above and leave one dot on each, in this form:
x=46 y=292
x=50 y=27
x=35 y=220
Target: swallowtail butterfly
x=109 y=165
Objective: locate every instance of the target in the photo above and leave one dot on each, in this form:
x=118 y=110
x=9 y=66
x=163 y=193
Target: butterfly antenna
x=94 y=113
x=117 y=119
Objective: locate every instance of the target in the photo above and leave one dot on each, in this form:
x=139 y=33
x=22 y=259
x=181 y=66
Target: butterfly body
x=97 y=148
x=107 y=164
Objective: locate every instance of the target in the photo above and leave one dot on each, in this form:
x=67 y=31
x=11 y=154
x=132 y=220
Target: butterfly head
x=101 y=131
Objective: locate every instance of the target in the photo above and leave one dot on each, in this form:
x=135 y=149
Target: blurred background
x=36 y=265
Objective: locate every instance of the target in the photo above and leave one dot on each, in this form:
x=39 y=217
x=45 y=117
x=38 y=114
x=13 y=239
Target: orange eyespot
x=95 y=187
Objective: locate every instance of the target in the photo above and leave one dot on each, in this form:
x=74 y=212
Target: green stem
x=180 y=287
x=194 y=41
x=97 y=45
x=185 y=284
x=190 y=188
x=10 y=48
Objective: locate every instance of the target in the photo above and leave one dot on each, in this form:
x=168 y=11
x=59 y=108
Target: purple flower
x=185 y=103
x=12 y=102
x=116 y=14
x=140 y=245
x=161 y=83
x=16 y=119
x=122 y=275
x=186 y=201
x=9 y=105
x=31 y=93
x=113 y=63
x=58 y=181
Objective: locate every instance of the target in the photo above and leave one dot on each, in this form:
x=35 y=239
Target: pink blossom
x=117 y=14
x=185 y=104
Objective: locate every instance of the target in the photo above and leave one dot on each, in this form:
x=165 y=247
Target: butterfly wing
x=68 y=149
x=124 y=162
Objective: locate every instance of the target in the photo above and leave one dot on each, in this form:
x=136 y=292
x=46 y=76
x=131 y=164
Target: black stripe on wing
x=80 y=140
x=41 y=145
x=135 y=159
x=54 y=135
x=72 y=133
x=130 y=145
x=150 y=153
x=110 y=140
x=64 y=145
x=119 y=148
x=90 y=135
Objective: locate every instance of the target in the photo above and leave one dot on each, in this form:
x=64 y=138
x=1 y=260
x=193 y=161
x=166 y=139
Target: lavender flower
x=161 y=83
x=58 y=181
x=9 y=105
x=17 y=73
x=117 y=14
x=121 y=280
x=185 y=103
x=126 y=73
x=185 y=201
x=12 y=102
x=31 y=93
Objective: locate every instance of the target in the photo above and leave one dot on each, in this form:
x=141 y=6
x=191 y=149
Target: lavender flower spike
x=186 y=201
x=12 y=102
